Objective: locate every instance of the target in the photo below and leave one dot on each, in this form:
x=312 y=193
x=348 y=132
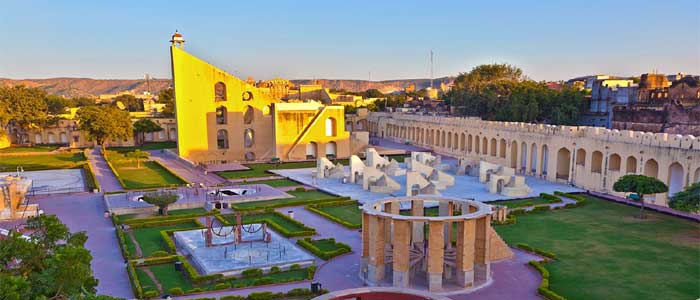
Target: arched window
x=221 y=115
x=222 y=139
x=249 y=115
x=248 y=138
x=37 y=138
x=330 y=150
x=63 y=138
x=51 y=137
x=173 y=134
x=311 y=150
x=597 y=162
x=219 y=91
x=330 y=127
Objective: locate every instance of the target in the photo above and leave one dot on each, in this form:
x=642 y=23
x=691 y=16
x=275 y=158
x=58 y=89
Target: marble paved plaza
x=465 y=186
x=54 y=181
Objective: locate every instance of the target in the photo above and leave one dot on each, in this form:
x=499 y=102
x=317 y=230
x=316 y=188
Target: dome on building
x=177 y=37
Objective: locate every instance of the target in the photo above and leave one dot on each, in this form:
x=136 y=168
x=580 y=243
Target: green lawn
x=148 y=175
x=42 y=162
x=150 y=239
x=146 y=146
x=521 y=202
x=169 y=278
x=348 y=213
x=605 y=252
x=273 y=182
x=300 y=198
x=146 y=283
x=177 y=212
x=325 y=245
x=26 y=149
x=269 y=217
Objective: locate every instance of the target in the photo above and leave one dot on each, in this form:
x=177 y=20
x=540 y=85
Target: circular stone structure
x=397 y=244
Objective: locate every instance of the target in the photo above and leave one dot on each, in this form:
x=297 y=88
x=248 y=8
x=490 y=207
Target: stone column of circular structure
x=396 y=244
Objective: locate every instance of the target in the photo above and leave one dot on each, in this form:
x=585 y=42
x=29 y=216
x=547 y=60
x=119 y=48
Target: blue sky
x=549 y=40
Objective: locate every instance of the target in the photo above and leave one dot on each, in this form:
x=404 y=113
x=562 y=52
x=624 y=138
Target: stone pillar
x=401 y=242
x=436 y=251
x=465 y=253
x=377 y=241
x=482 y=267
x=417 y=209
x=365 y=244
x=448 y=238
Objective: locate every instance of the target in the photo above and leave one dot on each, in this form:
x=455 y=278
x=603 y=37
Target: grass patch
x=150 y=239
x=522 y=202
x=324 y=248
x=177 y=212
x=146 y=146
x=605 y=252
x=169 y=277
x=279 y=222
x=350 y=213
x=147 y=283
x=42 y=162
x=300 y=198
x=273 y=182
x=149 y=175
x=27 y=149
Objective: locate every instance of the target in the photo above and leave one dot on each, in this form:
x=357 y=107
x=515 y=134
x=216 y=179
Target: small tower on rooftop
x=177 y=40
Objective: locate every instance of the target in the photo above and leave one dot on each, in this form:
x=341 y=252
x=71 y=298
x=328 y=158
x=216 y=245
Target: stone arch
x=331 y=149
x=545 y=159
x=469 y=143
x=311 y=150
x=631 y=165
x=493 y=146
x=51 y=138
x=533 y=158
x=248 y=138
x=477 y=143
x=249 y=115
x=675 y=178
x=331 y=127
x=449 y=140
x=523 y=156
x=38 y=139
x=581 y=157
x=614 y=162
x=563 y=163
x=485 y=146
x=502 y=148
x=597 y=162
x=697 y=175
x=456 y=141
x=499 y=185
x=514 y=155
x=63 y=138
x=221 y=115
x=219 y=91
x=651 y=168
x=462 y=142
x=222 y=139
x=173 y=134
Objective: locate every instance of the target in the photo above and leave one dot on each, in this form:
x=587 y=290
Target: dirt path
x=154 y=279
x=137 y=247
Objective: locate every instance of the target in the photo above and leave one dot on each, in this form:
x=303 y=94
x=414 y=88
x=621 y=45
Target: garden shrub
x=135 y=284
x=540 y=208
x=196 y=290
x=307 y=243
x=299 y=292
x=517 y=211
x=251 y=273
x=543 y=289
x=550 y=198
x=150 y=294
x=159 y=253
x=264 y=296
x=300 y=189
x=176 y=291
x=263 y=281
x=294 y=267
x=310 y=271
x=232 y=297
x=274 y=269
x=222 y=286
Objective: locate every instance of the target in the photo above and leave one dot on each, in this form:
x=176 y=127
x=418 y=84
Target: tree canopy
x=104 y=123
x=640 y=185
x=167 y=96
x=501 y=92
x=162 y=200
x=143 y=126
x=138 y=155
x=52 y=264
x=687 y=200
x=23 y=107
x=130 y=102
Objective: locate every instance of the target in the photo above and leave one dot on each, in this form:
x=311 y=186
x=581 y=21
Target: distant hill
x=74 y=87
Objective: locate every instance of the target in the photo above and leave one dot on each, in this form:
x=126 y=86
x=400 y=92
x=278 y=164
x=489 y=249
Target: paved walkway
x=185 y=170
x=104 y=175
x=85 y=212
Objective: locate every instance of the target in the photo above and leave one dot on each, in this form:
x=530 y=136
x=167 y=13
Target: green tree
x=130 y=102
x=349 y=109
x=23 y=108
x=687 y=200
x=162 y=200
x=167 y=96
x=639 y=185
x=138 y=155
x=373 y=93
x=143 y=126
x=56 y=104
x=52 y=264
x=104 y=123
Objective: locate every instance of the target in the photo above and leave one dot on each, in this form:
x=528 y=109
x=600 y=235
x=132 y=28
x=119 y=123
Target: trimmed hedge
x=288 y=202
x=315 y=208
x=122 y=242
x=150 y=294
x=164 y=218
x=194 y=276
x=134 y=279
x=90 y=179
x=529 y=248
x=176 y=291
x=580 y=200
x=155 y=260
x=232 y=297
x=276 y=227
x=307 y=243
x=550 y=198
x=543 y=289
x=164 y=222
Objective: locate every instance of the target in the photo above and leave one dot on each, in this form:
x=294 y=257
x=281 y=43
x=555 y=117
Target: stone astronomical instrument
x=419 y=250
